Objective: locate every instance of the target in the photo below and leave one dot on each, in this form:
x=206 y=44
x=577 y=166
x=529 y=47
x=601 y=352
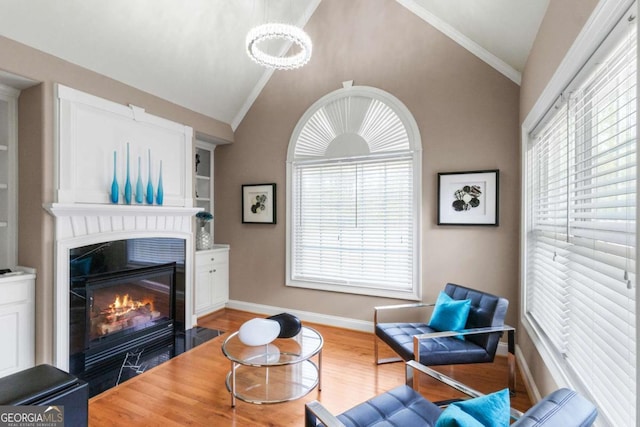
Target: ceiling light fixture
x=285 y=32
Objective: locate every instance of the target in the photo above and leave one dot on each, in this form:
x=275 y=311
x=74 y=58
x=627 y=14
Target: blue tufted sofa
x=404 y=406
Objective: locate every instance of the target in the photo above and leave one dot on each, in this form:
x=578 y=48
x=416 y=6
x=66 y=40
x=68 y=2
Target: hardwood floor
x=190 y=389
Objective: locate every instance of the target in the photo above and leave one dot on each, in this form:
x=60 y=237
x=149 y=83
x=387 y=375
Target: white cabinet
x=17 y=322
x=212 y=279
x=8 y=176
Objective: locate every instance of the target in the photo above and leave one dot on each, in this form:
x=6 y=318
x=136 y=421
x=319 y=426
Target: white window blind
x=353 y=196
x=157 y=250
x=354 y=224
x=547 y=286
x=580 y=251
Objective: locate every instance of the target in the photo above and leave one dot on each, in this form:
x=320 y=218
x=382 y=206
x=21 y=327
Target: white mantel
x=77 y=220
x=90 y=129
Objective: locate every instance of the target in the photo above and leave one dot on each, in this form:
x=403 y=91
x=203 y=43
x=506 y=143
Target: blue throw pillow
x=455 y=417
x=491 y=410
x=449 y=314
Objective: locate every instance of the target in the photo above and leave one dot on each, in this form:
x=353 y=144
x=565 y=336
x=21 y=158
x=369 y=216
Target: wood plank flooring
x=189 y=390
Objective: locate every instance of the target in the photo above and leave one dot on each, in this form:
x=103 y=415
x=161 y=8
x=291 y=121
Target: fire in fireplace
x=123 y=313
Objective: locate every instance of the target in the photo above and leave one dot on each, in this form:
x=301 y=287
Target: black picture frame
x=468 y=198
x=259 y=203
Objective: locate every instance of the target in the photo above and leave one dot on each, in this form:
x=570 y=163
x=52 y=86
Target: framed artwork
x=468 y=198
x=259 y=204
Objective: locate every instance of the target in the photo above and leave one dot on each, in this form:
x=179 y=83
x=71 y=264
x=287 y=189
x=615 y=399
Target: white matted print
x=259 y=204
x=468 y=198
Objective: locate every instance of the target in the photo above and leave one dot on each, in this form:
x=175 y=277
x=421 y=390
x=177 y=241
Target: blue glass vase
x=127 y=183
x=160 y=195
x=139 y=189
x=149 y=184
x=114 y=185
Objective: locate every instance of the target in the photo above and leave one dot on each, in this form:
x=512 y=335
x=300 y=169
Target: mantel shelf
x=86 y=209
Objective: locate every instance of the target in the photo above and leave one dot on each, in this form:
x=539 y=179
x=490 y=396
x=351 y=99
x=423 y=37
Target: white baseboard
x=323 y=319
x=503 y=349
x=529 y=383
x=305 y=316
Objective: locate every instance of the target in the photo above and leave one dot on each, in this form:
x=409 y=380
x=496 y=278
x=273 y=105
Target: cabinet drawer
x=212 y=256
x=16 y=292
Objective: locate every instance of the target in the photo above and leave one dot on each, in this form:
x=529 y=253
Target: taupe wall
x=468 y=118
x=561 y=25
x=36 y=157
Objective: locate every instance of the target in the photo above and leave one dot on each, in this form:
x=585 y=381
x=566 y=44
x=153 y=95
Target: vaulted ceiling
x=192 y=52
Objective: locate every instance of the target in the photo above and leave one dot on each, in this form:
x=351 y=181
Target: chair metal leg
x=375 y=348
x=413 y=383
x=511 y=361
x=409 y=379
x=377 y=358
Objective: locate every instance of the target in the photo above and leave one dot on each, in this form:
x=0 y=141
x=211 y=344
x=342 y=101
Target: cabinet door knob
x=214 y=270
x=210 y=271
x=213 y=259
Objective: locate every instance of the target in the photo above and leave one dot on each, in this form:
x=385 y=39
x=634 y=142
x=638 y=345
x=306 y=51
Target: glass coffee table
x=277 y=372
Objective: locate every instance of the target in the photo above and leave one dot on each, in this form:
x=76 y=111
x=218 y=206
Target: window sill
x=414 y=295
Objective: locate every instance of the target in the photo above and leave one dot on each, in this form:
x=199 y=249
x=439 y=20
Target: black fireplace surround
x=125 y=295
x=123 y=310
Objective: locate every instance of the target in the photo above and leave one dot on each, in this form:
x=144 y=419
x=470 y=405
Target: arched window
x=353 y=196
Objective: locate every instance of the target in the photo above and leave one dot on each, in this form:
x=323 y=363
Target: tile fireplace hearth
x=136 y=362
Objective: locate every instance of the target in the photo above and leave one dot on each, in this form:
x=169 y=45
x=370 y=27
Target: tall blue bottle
x=114 y=185
x=139 y=189
x=160 y=195
x=149 y=184
x=127 y=183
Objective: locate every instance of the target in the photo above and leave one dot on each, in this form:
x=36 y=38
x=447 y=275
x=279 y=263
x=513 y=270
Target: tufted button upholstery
x=401 y=406
x=436 y=351
x=486 y=310
x=563 y=407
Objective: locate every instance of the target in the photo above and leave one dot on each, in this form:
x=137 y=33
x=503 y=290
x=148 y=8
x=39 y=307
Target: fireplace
x=124 y=296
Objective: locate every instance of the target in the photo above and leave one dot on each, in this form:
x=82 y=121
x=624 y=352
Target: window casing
x=580 y=181
x=353 y=196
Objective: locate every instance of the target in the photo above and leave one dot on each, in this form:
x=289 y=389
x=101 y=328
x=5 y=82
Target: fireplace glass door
x=129 y=302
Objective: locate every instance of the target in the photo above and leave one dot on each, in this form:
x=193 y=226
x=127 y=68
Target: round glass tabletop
x=281 y=351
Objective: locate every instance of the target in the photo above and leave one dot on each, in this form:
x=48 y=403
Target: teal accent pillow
x=491 y=410
x=456 y=417
x=449 y=314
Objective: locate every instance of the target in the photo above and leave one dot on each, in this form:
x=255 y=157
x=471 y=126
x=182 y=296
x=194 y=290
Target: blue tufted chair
x=417 y=341
x=405 y=406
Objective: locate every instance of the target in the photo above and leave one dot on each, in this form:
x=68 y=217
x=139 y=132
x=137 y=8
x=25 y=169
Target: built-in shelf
x=8 y=178
x=204 y=178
